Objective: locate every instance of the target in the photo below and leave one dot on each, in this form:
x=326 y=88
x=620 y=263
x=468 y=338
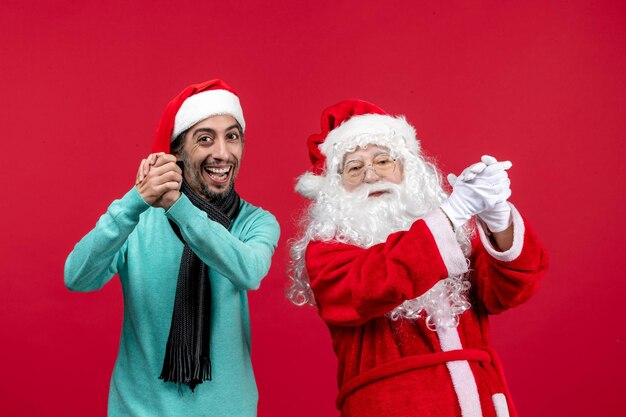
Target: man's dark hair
x=176 y=147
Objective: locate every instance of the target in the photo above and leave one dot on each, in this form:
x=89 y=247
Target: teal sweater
x=136 y=241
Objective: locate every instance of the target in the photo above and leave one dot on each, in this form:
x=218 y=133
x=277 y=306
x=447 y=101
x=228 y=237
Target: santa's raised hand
x=481 y=187
x=497 y=218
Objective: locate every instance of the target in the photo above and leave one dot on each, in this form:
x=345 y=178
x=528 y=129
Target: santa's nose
x=370 y=175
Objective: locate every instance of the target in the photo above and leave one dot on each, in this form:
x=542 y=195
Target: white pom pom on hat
x=309 y=185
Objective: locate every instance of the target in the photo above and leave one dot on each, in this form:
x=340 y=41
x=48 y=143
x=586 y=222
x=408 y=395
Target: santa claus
x=402 y=275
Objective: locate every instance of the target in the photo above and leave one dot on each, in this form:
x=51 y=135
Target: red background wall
x=82 y=85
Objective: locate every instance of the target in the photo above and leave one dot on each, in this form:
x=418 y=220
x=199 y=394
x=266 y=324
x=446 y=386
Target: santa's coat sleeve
x=353 y=285
x=502 y=280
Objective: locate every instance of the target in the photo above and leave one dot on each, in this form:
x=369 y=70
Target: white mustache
x=364 y=191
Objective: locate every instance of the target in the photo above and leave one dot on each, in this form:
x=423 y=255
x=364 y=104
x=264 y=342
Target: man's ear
x=176 y=147
x=177 y=155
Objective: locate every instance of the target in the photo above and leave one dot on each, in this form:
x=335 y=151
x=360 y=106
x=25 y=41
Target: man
x=187 y=249
x=397 y=272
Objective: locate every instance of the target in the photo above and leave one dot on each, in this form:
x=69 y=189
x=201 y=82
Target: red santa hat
x=346 y=126
x=194 y=104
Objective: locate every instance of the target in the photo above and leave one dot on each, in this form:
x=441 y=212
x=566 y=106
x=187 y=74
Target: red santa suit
x=401 y=368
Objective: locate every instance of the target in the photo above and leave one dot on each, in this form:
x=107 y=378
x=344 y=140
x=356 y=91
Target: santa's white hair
x=354 y=218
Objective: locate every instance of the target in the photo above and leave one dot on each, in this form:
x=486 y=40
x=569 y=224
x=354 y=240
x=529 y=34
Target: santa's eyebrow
x=377 y=153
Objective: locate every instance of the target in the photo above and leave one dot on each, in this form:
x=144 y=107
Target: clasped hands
x=158 y=180
x=482 y=189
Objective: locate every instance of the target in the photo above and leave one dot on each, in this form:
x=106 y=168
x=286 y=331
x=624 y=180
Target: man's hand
x=144 y=166
x=480 y=187
x=159 y=179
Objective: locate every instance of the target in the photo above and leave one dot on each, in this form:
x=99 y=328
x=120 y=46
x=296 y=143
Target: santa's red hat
x=194 y=104
x=346 y=126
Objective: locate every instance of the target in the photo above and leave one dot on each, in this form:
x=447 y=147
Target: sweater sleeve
x=503 y=280
x=243 y=261
x=95 y=259
x=353 y=285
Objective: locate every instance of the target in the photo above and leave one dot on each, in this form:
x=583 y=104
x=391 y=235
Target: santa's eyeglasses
x=353 y=172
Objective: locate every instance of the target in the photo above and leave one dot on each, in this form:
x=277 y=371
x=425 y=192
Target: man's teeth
x=218 y=170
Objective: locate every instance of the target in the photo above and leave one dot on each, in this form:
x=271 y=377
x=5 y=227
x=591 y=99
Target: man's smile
x=218 y=174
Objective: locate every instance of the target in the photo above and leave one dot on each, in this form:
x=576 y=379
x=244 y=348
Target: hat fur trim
x=204 y=105
x=394 y=133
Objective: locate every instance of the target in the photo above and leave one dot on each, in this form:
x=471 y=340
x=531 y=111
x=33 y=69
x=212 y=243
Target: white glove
x=478 y=188
x=497 y=218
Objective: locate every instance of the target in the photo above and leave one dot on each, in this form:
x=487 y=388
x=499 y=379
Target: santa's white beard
x=356 y=218
x=353 y=217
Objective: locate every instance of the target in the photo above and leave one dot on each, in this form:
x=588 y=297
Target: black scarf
x=187 y=359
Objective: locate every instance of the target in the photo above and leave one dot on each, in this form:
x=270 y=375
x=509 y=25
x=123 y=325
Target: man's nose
x=220 y=151
x=370 y=175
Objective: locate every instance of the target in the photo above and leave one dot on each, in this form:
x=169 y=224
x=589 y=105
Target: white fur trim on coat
x=447 y=244
x=499 y=403
x=461 y=374
x=518 y=239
